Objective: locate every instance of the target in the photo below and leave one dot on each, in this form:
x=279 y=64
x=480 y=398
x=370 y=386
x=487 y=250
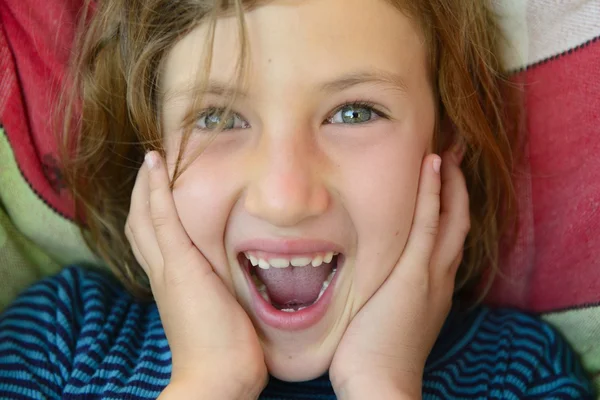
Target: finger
x=444 y=285
x=454 y=215
x=135 y=249
x=173 y=241
x=139 y=222
x=424 y=230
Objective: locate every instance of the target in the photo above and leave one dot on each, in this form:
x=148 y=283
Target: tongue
x=294 y=286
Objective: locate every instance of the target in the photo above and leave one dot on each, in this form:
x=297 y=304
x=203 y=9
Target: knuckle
x=160 y=220
x=431 y=228
x=460 y=256
x=456 y=265
x=466 y=229
x=463 y=230
x=141 y=262
x=127 y=228
x=128 y=236
x=132 y=201
x=129 y=233
x=158 y=192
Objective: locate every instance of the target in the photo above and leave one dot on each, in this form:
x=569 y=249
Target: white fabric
x=540 y=29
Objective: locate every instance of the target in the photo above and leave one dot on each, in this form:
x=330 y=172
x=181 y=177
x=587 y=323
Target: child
x=318 y=238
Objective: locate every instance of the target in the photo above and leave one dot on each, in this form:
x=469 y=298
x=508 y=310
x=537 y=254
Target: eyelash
x=212 y=109
x=358 y=104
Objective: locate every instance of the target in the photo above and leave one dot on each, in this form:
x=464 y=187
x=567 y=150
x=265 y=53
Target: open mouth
x=291 y=284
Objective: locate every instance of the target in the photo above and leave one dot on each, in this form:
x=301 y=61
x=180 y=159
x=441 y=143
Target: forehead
x=298 y=44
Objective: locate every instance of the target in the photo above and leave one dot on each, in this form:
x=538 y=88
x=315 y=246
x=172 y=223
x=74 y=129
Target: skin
x=289 y=174
x=384 y=348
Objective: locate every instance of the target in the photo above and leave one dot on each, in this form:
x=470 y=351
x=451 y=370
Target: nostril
x=284 y=199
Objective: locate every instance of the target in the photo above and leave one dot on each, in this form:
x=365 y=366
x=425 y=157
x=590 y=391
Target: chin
x=299 y=367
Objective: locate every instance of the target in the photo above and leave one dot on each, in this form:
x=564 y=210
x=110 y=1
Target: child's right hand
x=215 y=350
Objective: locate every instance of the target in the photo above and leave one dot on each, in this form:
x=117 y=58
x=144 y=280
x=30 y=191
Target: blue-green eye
x=354 y=114
x=213 y=118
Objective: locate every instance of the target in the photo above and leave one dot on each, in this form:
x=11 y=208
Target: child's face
x=301 y=175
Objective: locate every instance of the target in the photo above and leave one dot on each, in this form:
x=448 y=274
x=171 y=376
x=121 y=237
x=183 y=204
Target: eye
x=214 y=118
x=354 y=114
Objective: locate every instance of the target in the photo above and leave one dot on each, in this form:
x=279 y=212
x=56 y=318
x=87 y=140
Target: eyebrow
x=212 y=87
x=222 y=90
x=376 y=77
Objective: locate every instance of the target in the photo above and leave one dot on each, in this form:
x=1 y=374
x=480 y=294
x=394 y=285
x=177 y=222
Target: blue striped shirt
x=81 y=335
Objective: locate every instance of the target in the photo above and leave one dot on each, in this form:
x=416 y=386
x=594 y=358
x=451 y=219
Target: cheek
x=380 y=195
x=203 y=199
x=206 y=191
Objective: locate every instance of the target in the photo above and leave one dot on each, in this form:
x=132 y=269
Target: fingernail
x=150 y=159
x=437 y=164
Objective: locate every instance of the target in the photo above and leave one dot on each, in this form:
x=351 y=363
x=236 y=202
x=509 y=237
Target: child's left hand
x=386 y=345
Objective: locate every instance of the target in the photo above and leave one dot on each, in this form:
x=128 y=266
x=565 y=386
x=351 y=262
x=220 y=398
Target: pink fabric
x=35 y=40
x=556 y=263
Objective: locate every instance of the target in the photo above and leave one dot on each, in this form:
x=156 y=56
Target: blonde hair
x=112 y=115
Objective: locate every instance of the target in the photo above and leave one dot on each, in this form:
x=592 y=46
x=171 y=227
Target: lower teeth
x=293 y=309
x=262 y=289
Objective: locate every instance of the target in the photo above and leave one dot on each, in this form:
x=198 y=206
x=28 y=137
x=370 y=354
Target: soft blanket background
x=555 y=268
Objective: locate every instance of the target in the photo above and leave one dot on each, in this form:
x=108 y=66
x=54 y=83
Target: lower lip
x=292 y=321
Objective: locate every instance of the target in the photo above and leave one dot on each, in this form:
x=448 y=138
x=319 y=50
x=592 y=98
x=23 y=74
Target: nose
x=288 y=185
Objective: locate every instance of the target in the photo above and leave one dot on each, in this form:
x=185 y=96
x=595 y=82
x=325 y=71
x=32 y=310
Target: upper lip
x=288 y=246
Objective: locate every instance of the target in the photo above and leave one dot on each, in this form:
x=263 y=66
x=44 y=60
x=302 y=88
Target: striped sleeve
x=504 y=354
x=80 y=335
x=37 y=340
x=534 y=361
x=560 y=374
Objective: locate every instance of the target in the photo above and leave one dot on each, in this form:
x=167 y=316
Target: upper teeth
x=299 y=261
